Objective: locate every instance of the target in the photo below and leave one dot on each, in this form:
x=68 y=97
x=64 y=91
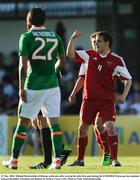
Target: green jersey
x=42 y=47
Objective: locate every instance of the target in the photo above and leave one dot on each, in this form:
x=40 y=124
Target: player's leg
x=26 y=111
x=82 y=142
x=45 y=135
x=87 y=116
x=18 y=140
x=113 y=142
x=108 y=114
x=97 y=136
x=102 y=134
x=52 y=112
x=104 y=146
x=103 y=139
x=47 y=142
x=56 y=134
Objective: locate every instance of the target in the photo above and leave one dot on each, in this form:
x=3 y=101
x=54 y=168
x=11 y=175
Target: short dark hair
x=36 y=16
x=106 y=36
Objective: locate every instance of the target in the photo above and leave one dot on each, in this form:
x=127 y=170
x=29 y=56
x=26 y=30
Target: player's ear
x=28 y=21
x=28 y=25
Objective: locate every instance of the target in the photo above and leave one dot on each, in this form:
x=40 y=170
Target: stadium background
x=120 y=17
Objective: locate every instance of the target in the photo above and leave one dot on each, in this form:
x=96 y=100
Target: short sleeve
x=83 y=69
x=81 y=56
x=23 y=45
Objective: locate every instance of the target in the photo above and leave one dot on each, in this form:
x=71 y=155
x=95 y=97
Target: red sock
x=113 y=144
x=81 y=147
x=104 y=141
x=98 y=139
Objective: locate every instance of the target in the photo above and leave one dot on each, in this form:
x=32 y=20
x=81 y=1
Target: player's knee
x=23 y=121
x=99 y=126
x=111 y=129
x=82 y=130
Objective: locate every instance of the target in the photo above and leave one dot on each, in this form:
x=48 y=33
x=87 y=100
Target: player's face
x=93 y=41
x=100 y=45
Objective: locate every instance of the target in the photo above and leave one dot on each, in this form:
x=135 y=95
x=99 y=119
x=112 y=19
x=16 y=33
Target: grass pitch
x=130 y=165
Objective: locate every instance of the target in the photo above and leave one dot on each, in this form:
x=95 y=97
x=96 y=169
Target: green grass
x=130 y=165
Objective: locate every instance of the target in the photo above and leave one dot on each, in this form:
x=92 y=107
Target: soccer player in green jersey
x=41 y=56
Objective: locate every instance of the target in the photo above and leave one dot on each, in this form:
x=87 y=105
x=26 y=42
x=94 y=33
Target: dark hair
x=106 y=36
x=36 y=16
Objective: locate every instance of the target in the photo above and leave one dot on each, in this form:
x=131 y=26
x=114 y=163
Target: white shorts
x=48 y=101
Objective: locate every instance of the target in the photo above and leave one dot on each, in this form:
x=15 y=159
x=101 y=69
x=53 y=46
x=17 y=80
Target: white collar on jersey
x=37 y=28
x=103 y=56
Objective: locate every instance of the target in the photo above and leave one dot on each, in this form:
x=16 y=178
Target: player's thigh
x=107 y=111
x=87 y=112
x=31 y=107
x=51 y=104
x=42 y=122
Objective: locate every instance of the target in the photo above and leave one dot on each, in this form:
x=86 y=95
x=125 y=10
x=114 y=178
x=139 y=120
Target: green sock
x=56 y=140
x=18 y=140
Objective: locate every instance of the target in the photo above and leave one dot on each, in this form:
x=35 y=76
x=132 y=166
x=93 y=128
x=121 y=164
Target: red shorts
x=92 y=109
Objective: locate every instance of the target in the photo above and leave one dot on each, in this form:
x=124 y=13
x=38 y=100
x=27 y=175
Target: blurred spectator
x=61 y=31
x=132 y=105
x=135 y=106
x=2 y=67
x=9 y=84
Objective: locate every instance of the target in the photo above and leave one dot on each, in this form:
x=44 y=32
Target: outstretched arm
x=70 y=52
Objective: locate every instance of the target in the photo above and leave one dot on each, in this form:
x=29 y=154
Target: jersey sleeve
x=121 y=71
x=82 y=70
x=23 y=45
x=81 y=56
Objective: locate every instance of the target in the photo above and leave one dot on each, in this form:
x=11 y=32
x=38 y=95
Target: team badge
x=109 y=63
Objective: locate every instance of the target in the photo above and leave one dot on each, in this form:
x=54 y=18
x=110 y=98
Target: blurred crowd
x=8 y=83
x=132 y=104
x=9 y=88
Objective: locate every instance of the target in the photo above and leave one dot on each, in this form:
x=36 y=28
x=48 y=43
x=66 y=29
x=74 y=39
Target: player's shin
x=18 y=140
x=113 y=144
x=81 y=147
x=56 y=140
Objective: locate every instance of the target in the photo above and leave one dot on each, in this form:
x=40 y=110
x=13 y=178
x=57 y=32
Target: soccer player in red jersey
x=103 y=68
x=104 y=146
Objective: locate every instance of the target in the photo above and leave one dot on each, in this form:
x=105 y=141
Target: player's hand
x=72 y=98
x=76 y=34
x=23 y=94
x=120 y=99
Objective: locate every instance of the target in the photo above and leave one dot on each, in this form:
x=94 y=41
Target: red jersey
x=101 y=73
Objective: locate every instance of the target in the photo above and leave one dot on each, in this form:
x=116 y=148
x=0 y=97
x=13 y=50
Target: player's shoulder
x=118 y=59
x=90 y=52
x=26 y=34
x=116 y=56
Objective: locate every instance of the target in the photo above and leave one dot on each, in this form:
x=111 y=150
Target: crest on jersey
x=109 y=63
